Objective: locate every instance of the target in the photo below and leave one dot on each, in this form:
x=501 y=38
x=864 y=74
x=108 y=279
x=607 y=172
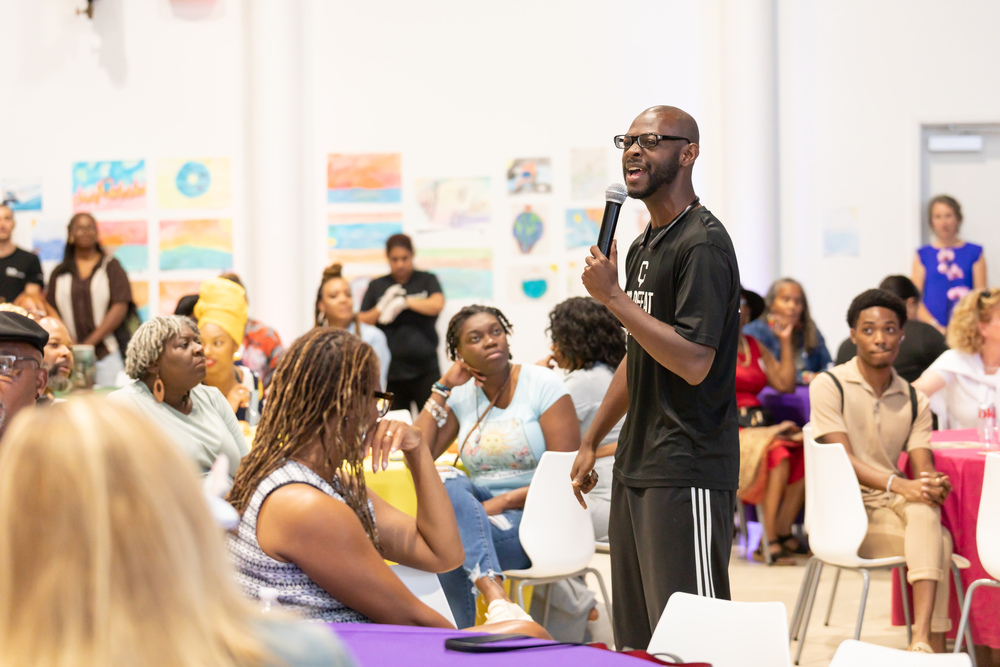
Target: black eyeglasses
x=7 y=362
x=649 y=140
x=383 y=402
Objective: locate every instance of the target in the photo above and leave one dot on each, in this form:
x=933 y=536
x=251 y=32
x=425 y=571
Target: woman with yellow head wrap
x=221 y=312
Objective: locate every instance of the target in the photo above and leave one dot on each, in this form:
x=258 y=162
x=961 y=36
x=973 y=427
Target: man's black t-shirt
x=919 y=348
x=17 y=270
x=676 y=434
x=412 y=338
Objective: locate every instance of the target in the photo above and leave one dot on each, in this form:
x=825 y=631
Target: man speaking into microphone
x=677 y=463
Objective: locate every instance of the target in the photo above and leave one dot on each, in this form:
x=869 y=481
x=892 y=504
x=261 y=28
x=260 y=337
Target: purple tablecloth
x=794 y=406
x=373 y=645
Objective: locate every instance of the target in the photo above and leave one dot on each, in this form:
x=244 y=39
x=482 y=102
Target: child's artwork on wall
x=22 y=194
x=360 y=237
x=171 y=292
x=529 y=175
x=106 y=186
x=364 y=178
x=532 y=282
x=464 y=273
x=530 y=233
x=196 y=244
x=588 y=173
x=202 y=183
x=454 y=204
x=127 y=240
x=582 y=226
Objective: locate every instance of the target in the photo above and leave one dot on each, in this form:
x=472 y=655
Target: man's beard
x=59 y=383
x=656 y=177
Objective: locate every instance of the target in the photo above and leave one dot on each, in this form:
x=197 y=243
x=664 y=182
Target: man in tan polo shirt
x=866 y=406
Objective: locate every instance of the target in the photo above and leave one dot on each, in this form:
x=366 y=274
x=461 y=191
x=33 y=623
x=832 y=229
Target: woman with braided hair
x=504 y=417
x=308 y=527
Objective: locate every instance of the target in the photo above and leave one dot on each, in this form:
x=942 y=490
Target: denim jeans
x=489 y=550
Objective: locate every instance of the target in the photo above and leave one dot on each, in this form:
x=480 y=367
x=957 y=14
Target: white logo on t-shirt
x=642 y=272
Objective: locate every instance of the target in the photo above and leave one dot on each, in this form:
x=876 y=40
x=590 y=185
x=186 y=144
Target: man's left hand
x=936 y=486
x=600 y=276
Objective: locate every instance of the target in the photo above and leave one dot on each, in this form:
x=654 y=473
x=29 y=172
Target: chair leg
x=765 y=544
x=866 y=575
x=518 y=593
x=957 y=576
x=833 y=594
x=966 y=608
x=741 y=520
x=814 y=584
x=548 y=603
x=800 y=603
x=604 y=591
x=901 y=571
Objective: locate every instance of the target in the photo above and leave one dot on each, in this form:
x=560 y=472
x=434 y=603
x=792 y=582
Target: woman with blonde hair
x=967 y=373
x=110 y=557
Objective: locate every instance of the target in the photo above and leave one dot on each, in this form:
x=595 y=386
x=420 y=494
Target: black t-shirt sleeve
x=376 y=289
x=34 y=273
x=704 y=283
x=433 y=284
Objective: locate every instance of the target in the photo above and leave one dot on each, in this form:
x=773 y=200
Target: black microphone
x=615 y=196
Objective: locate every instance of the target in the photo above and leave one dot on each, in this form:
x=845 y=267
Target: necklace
x=503 y=387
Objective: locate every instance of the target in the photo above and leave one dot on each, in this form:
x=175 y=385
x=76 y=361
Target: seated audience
x=221 y=313
x=948 y=267
x=786 y=304
x=166 y=362
x=921 y=343
x=261 y=348
x=772 y=467
x=875 y=414
x=335 y=308
x=145 y=582
x=58 y=356
x=309 y=527
x=91 y=293
x=22 y=346
x=20 y=270
x=504 y=416
x=966 y=375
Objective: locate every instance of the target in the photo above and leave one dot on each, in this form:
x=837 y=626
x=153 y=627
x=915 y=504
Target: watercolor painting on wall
x=140 y=296
x=360 y=237
x=532 y=282
x=22 y=194
x=588 y=173
x=464 y=273
x=529 y=175
x=48 y=239
x=127 y=240
x=108 y=186
x=454 y=204
x=201 y=183
x=171 y=292
x=530 y=233
x=364 y=178
x=583 y=226
x=196 y=244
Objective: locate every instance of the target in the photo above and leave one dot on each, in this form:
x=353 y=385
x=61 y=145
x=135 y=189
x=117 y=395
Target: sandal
x=779 y=555
x=800 y=547
x=920 y=647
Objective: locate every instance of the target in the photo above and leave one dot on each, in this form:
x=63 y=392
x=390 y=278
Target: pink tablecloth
x=959 y=514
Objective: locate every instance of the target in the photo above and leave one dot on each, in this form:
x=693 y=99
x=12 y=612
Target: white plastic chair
x=722 y=632
x=556 y=532
x=987 y=540
x=837 y=524
x=427 y=588
x=852 y=653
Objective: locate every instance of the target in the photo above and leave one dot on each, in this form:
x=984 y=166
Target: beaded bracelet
x=441 y=390
x=439 y=414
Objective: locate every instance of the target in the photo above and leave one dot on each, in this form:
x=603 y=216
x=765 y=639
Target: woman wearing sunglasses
x=309 y=528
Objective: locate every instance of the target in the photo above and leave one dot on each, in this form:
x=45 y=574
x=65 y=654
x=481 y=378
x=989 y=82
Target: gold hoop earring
x=158 y=390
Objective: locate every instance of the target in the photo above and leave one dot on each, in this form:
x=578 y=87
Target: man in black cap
x=22 y=378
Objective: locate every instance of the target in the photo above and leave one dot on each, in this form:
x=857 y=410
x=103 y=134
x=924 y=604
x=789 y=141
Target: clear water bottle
x=268 y=599
x=988 y=424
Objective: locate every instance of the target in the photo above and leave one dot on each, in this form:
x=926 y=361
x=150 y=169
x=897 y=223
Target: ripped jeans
x=488 y=549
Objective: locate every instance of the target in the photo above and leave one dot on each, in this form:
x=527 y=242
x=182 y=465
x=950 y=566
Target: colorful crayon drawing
x=529 y=175
x=140 y=296
x=127 y=240
x=364 y=178
x=48 y=239
x=532 y=282
x=574 y=279
x=171 y=292
x=196 y=244
x=105 y=186
x=582 y=226
x=529 y=229
x=360 y=237
x=454 y=203
x=588 y=173
x=201 y=183
x=464 y=273
x=22 y=194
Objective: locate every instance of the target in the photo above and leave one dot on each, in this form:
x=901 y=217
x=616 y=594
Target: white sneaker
x=503 y=610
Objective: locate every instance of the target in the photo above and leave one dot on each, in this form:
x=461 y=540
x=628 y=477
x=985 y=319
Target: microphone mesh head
x=617 y=193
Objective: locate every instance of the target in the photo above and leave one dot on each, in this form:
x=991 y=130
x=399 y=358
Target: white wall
x=856 y=81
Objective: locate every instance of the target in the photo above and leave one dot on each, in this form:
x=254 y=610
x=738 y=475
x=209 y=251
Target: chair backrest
x=807 y=435
x=988 y=524
x=722 y=632
x=427 y=588
x=853 y=653
x=837 y=518
x=556 y=532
